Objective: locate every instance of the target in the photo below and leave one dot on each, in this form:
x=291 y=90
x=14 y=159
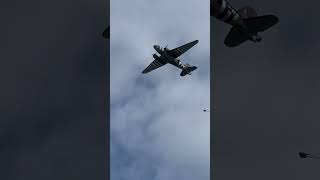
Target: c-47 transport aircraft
x=245 y=23
x=171 y=56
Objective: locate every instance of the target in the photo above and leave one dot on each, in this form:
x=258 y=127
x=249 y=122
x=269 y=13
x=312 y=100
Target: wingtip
x=106 y=33
x=105 y=36
x=276 y=19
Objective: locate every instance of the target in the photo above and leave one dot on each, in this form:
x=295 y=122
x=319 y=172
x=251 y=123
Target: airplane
x=171 y=57
x=106 y=33
x=245 y=23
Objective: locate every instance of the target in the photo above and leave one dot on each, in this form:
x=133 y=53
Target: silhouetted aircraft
x=171 y=56
x=245 y=23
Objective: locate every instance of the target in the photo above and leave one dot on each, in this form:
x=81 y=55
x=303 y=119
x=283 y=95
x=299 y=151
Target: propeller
x=155 y=55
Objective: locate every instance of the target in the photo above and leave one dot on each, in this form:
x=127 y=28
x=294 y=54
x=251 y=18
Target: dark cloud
x=266 y=97
x=54 y=90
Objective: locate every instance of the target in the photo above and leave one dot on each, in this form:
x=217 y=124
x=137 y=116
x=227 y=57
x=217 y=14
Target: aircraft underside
x=171 y=57
x=245 y=22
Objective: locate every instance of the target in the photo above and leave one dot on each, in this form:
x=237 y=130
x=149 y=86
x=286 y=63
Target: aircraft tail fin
x=254 y=24
x=247 y=12
x=187 y=70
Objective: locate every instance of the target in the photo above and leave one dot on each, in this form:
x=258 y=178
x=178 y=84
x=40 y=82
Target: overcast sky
x=53 y=75
x=158 y=127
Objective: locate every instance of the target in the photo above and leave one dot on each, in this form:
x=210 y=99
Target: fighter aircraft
x=106 y=33
x=171 y=56
x=245 y=23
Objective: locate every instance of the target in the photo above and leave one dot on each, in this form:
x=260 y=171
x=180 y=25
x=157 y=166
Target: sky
x=53 y=71
x=267 y=96
x=158 y=127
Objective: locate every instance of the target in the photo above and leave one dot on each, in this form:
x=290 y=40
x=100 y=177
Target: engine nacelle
x=155 y=56
x=179 y=62
x=256 y=38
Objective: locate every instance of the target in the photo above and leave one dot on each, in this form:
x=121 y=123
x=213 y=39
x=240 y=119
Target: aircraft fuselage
x=168 y=56
x=165 y=56
x=223 y=11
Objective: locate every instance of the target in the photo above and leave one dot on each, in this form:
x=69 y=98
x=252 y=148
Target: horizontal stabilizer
x=188 y=70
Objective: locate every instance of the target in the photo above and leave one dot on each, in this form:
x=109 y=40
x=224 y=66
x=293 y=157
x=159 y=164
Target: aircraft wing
x=235 y=38
x=182 y=49
x=106 y=33
x=261 y=23
x=154 y=65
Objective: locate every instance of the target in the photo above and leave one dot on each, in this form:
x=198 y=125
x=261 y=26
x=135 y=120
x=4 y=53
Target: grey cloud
x=158 y=128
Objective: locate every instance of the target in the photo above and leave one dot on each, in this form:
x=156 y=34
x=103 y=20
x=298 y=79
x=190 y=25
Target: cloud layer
x=158 y=128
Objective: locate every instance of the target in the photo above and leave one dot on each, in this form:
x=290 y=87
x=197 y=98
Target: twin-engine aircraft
x=245 y=23
x=171 y=57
